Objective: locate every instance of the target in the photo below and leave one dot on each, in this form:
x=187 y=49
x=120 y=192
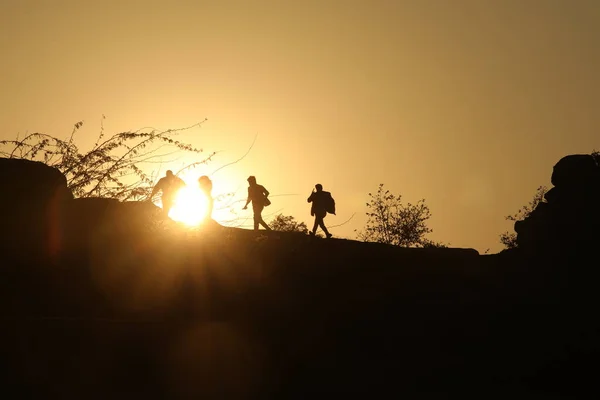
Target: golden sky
x=466 y=103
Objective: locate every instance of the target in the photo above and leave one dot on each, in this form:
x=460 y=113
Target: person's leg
x=167 y=204
x=264 y=224
x=257 y=216
x=322 y=225
x=260 y=219
x=256 y=221
x=315 y=225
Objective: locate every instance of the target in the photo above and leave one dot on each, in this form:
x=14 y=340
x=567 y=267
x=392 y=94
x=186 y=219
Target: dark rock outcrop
x=33 y=207
x=42 y=220
x=569 y=219
x=98 y=228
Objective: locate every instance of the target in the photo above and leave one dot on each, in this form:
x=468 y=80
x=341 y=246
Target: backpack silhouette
x=329 y=203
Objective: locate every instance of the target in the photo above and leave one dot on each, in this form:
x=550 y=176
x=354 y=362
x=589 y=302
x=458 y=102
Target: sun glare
x=190 y=206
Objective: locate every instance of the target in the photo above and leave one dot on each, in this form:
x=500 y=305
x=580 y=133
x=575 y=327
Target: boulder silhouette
x=569 y=218
x=96 y=223
x=33 y=208
x=576 y=171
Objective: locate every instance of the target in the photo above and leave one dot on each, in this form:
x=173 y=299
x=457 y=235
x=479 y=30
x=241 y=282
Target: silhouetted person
x=169 y=185
x=206 y=186
x=321 y=204
x=257 y=194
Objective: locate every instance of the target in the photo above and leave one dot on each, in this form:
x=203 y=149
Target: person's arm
x=247 y=200
x=311 y=197
x=265 y=191
x=155 y=189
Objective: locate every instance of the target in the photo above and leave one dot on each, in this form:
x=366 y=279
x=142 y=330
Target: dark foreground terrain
x=226 y=314
x=101 y=299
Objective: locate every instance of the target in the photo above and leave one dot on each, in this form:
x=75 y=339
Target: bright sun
x=191 y=206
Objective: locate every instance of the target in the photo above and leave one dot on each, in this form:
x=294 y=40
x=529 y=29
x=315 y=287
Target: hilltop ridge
x=102 y=298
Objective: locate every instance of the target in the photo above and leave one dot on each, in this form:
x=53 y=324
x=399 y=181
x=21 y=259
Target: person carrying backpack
x=322 y=203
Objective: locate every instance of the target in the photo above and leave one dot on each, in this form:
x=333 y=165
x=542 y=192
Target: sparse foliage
x=433 y=244
x=392 y=222
x=287 y=223
x=113 y=167
x=509 y=239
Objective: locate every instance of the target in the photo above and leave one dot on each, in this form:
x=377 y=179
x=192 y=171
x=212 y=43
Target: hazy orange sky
x=467 y=104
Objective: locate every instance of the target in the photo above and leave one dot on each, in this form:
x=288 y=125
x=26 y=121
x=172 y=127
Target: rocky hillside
x=106 y=299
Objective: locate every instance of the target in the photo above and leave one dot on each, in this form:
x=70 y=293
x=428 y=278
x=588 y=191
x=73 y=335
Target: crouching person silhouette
x=169 y=185
x=258 y=195
x=322 y=203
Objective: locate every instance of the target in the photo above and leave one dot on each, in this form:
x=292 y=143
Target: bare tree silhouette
x=113 y=167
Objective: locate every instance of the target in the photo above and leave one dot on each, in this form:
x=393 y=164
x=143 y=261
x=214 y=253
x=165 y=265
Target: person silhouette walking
x=258 y=195
x=169 y=185
x=322 y=203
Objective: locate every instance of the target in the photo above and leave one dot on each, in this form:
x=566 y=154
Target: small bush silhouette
x=392 y=222
x=287 y=223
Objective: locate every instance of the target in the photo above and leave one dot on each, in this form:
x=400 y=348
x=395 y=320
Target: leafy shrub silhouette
x=287 y=223
x=392 y=222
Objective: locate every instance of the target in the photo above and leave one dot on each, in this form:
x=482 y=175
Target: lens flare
x=190 y=206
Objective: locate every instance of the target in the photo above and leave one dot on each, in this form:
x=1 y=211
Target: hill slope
x=110 y=300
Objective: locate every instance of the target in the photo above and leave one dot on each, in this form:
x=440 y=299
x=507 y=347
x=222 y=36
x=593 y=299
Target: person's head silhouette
x=319 y=187
x=252 y=180
x=205 y=183
x=169 y=173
